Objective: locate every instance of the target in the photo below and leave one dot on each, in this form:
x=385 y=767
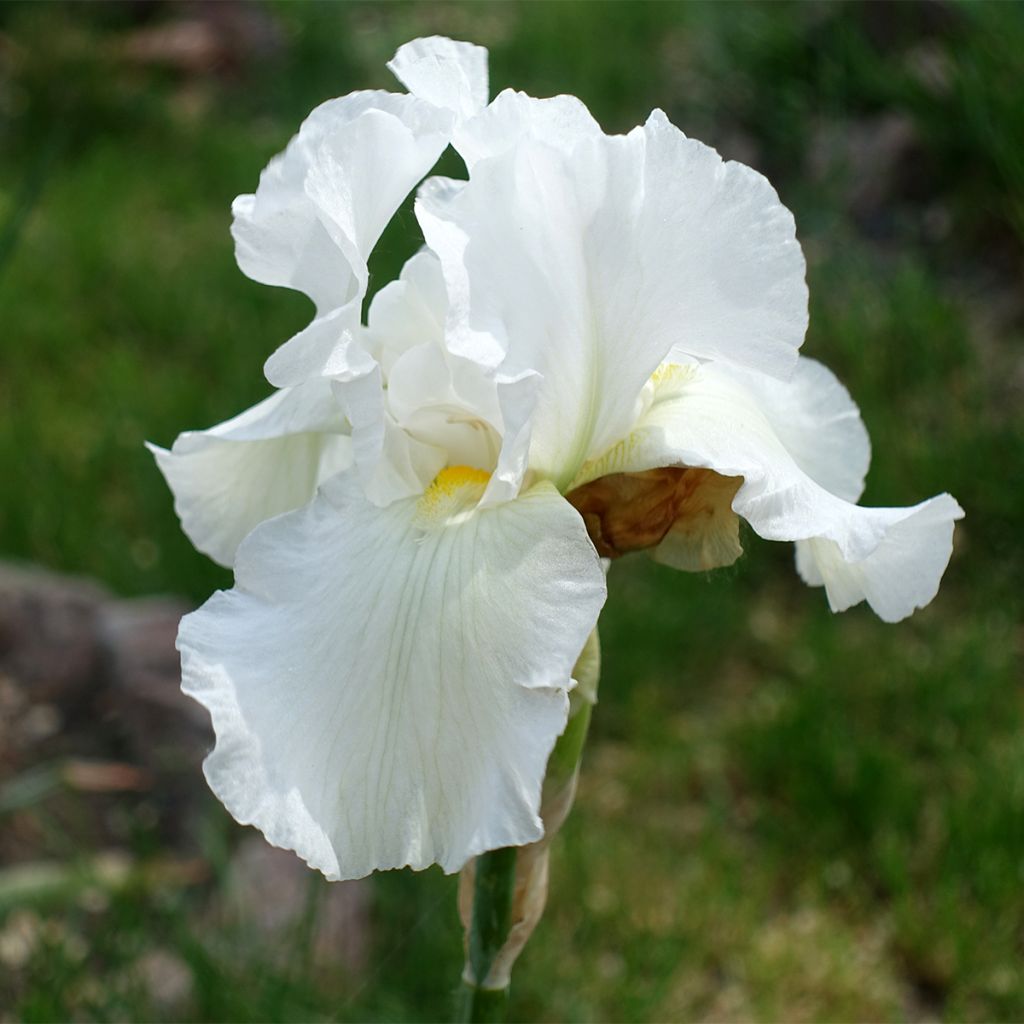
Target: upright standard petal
x=280 y=235
x=321 y=206
x=445 y=72
x=265 y=461
x=590 y=266
x=704 y=417
x=418 y=407
x=386 y=685
x=408 y=311
x=559 y=121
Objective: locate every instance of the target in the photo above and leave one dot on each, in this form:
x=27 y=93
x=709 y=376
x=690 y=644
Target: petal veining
x=386 y=689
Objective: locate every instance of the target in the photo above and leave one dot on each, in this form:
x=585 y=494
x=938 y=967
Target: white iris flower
x=596 y=352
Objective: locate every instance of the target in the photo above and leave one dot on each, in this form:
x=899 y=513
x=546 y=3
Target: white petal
x=452 y=403
x=725 y=250
x=814 y=416
x=590 y=266
x=265 y=461
x=322 y=204
x=391 y=463
x=444 y=72
x=329 y=346
x=279 y=236
x=517 y=398
x=559 y=121
x=901 y=575
x=511 y=243
x=702 y=416
x=819 y=424
x=386 y=685
x=405 y=334
x=408 y=311
x=283 y=243
x=436 y=408
x=425 y=398
x=360 y=175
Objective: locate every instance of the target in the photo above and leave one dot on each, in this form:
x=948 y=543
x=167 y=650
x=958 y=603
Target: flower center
x=454 y=493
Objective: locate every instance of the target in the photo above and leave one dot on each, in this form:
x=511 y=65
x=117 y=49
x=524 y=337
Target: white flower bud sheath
x=596 y=352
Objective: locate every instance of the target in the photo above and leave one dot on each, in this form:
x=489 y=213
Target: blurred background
x=783 y=814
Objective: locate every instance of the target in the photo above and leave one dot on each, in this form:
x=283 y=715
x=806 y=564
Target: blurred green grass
x=784 y=815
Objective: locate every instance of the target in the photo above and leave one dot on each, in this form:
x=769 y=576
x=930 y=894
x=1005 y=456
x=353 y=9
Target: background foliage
x=784 y=815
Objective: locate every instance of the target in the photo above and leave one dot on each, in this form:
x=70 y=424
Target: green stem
x=482 y=1005
x=496 y=875
x=493 y=888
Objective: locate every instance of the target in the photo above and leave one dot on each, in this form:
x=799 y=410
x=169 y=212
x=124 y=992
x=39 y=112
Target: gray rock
x=288 y=910
x=49 y=641
x=142 y=677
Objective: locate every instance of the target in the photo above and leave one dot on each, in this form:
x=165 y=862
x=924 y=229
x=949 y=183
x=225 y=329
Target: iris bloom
x=596 y=352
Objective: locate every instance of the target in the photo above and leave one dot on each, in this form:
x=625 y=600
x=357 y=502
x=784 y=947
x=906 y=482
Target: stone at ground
x=283 y=906
x=166 y=978
x=49 y=640
x=94 y=726
x=167 y=730
x=90 y=704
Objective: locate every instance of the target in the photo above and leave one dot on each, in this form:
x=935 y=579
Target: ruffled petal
x=559 y=121
x=280 y=235
x=444 y=72
x=321 y=206
x=386 y=685
x=589 y=266
x=702 y=416
x=901 y=575
x=819 y=424
x=363 y=170
x=265 y=461
x=405 y=334
x=724 y=253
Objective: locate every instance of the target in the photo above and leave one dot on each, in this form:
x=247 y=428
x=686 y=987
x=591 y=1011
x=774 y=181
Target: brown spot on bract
x=685 y=513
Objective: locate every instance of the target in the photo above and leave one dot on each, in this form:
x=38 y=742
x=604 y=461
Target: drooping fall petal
x=704 y=416
x=386 y=684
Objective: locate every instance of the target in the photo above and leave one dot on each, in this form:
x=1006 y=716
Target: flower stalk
x=502 y=893
x=493 y=882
